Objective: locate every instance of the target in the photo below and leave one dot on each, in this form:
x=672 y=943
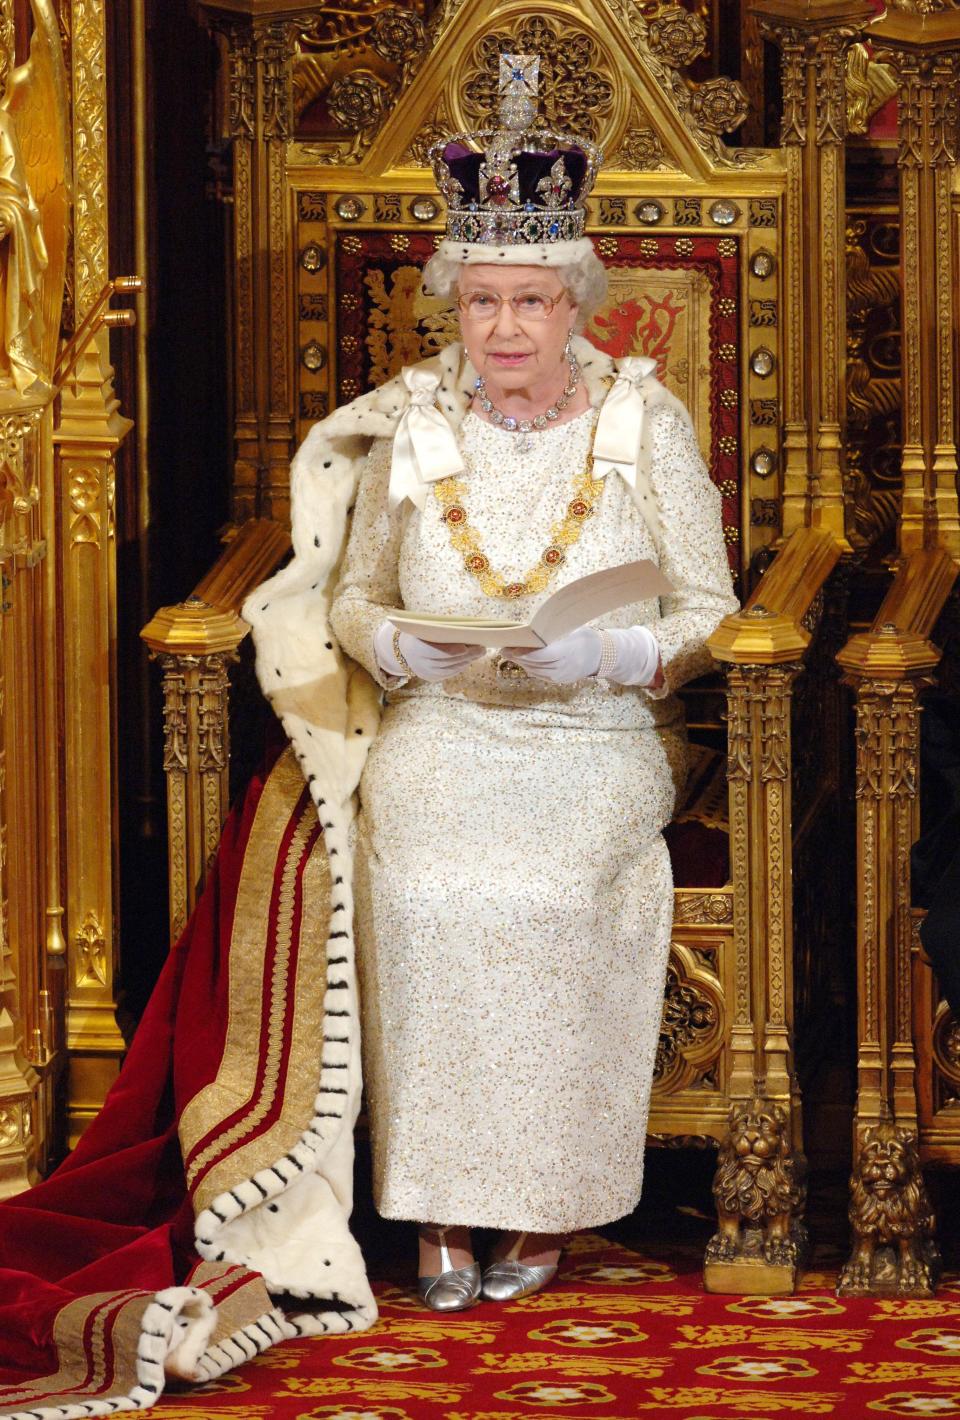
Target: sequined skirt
x=514 y=906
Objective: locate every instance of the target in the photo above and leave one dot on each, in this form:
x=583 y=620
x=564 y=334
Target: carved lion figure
x=891 y=1218
x=759 y=1184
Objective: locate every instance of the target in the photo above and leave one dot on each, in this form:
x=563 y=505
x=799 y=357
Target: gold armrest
x=769 y=629
x=209 y=620
x=897 y=645
x=196 y=642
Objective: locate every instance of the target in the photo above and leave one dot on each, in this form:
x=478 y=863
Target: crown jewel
x=518 y=184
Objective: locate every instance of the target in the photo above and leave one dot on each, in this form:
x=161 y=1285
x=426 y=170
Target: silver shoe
x=454 y=1288
x=509 y=1279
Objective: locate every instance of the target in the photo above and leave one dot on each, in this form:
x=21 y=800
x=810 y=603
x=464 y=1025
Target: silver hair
x=586 y=281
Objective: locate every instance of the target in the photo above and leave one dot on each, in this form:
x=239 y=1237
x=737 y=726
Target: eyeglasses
x=526 y=305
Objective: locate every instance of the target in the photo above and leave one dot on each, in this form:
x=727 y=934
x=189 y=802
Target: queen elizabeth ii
x=512 y=888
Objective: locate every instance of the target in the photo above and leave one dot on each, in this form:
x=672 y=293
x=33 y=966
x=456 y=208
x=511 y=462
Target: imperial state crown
x=521 y=183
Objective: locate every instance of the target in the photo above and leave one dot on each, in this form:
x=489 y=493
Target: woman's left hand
x=571 y=658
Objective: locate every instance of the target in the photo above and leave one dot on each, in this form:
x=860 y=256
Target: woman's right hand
x=427 y=660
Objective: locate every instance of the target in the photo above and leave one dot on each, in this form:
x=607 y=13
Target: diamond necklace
x=540 y=421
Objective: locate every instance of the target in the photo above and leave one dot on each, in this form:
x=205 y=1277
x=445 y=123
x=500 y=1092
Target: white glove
x=571 y=658
x=637 y=660
x=577 y=657
x=426 y=659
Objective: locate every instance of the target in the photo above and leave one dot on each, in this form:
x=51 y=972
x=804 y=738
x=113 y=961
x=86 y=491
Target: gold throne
x=335 y=214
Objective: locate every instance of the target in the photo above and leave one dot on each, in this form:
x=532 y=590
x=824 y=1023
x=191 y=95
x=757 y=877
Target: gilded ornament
x=17 y=443
x=424 y=209
x=577 y=91
x=703 y=907
x=350 y=209
x=433 y=132
x=764 y=212
x=720 y=105
x=687 y=211
x=677 y=37
x=34 y=201
x=91 y=960
x=764 y=413
x=759 y=1188
x=763 y=264
x=764 y=314
x=894 y=1251
x=689 y=1016
x=313 y=258
x=724 y=212
x=946 y=1045
x=313 y=357
x=921 y=7
x=763 y=362
x=763 y=462
x=9 y=1127
x=764 y=513
x=641 y=151
x=398 y=35
x=869 y=84
x=356 y=100
x=650 y=212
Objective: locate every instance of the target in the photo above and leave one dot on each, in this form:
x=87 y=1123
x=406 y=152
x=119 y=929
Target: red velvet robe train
x=102 y=1290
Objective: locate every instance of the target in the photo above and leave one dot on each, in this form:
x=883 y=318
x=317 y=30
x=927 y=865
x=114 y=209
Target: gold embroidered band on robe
x=246 y=1147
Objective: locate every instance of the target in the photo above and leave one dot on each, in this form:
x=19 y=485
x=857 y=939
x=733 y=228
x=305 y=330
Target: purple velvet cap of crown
x=464 y=165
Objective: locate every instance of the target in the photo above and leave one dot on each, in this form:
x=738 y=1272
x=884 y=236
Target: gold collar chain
x=451 y=495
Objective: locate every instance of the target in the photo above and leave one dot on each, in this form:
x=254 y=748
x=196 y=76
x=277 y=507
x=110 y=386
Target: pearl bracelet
x=608 y=656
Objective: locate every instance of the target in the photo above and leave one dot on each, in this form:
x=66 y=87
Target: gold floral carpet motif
x=621 y=1335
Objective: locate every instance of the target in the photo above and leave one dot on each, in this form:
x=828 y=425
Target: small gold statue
x=34 y=202
x=894 y=1251
x=759 y=1188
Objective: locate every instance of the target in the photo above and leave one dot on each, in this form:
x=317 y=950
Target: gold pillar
x=814 y=37
x=762 y=648
x=888 y=667
x=23 y=1036
x=260 y=44
x=87 y=437
x=924 y=48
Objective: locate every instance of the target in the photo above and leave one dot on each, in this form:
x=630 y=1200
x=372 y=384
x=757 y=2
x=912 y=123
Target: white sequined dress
x=513 y=888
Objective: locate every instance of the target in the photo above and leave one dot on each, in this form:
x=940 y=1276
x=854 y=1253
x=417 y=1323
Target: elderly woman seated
x=512 y=883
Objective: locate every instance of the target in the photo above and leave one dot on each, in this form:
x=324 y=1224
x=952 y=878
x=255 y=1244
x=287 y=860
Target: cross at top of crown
x=519 y=85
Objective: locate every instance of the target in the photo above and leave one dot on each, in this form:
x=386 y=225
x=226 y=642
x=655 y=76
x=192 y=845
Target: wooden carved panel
x=874 y=380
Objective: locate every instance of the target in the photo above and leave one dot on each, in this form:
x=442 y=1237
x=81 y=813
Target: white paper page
x=573 y=605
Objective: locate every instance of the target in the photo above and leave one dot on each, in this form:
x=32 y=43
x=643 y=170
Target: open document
x=572 y=606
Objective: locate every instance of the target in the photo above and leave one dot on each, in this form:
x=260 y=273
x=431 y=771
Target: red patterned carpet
x=626 y=1332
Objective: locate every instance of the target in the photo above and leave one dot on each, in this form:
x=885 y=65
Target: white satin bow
x=424 y=446
x=616 y=446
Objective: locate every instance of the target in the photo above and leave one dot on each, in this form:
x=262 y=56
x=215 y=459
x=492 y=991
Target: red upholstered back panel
x=676 y=299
